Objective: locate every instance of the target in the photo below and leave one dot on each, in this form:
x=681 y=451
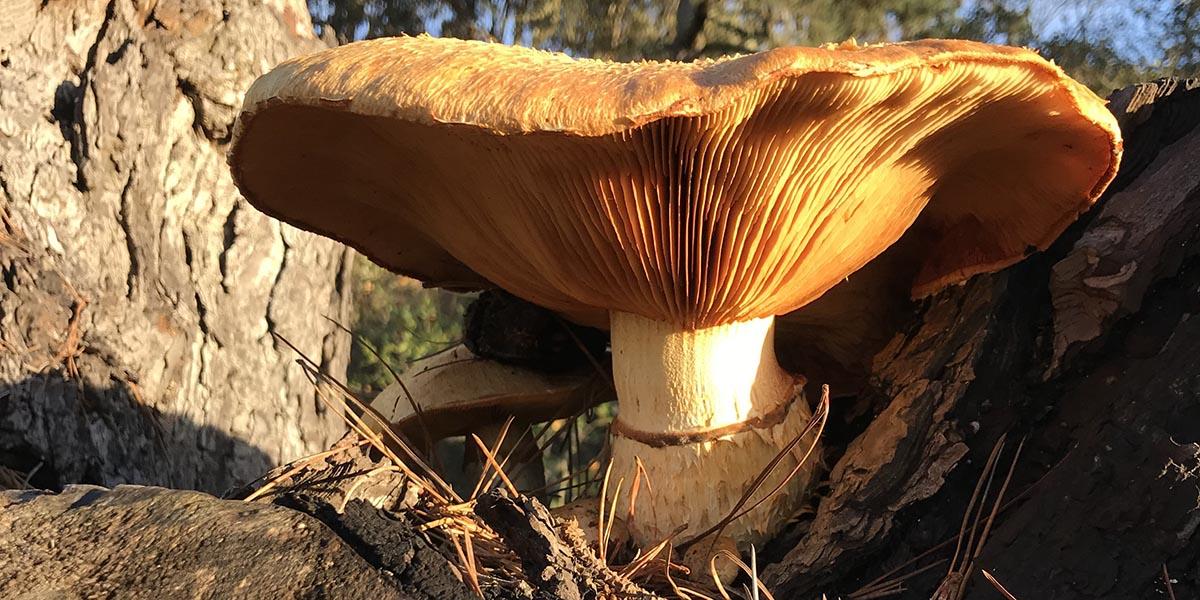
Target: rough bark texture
x=1140 y=234
x=145 y=542
x=390 y=544
x=1089 y=352
x=139 y=292
x=559 y=567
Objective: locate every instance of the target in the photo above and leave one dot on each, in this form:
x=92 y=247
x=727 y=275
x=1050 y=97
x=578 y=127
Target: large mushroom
x=681 y=205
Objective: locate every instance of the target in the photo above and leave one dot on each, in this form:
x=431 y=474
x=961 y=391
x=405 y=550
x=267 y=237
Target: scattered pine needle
x=612 y=519
x=395 y=377
x=485 y=482
x=350 y=407
x=1167 y=582
x=472 y=570
x=600 y=519
x=751 y=570
x=638 y=475
x=450 y=524
x=491 y=459
x=954 y=586
x=297 y=466
x=891 y=587
x=879 y=588
x=996 y=584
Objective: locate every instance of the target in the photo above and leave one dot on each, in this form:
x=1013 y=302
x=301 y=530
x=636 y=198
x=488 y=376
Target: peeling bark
x=1142 y=232
x=138 y=298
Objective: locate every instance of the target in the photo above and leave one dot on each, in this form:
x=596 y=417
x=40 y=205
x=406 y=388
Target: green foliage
x=401 y=320
x=574 y=457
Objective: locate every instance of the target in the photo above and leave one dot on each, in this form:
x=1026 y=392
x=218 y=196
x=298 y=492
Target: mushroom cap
x=833 y=340
x=458 y=393
x=695 y=193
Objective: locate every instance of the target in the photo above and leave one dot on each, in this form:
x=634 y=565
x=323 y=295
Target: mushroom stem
x=705 y=411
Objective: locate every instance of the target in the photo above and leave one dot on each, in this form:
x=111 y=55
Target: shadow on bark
x=56 y=431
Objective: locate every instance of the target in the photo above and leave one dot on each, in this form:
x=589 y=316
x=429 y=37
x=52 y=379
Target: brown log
x=145 y=542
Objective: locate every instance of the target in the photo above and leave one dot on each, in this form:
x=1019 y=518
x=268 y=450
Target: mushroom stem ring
x=681 y=438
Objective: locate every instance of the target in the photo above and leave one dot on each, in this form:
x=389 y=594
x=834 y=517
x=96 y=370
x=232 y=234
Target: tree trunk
x=140 y=294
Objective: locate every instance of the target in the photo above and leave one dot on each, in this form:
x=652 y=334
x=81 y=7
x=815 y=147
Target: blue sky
x=1134 y=24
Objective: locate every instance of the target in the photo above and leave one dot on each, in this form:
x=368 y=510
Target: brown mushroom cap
x=833 y=339
x=694 y=193
x=458 y=393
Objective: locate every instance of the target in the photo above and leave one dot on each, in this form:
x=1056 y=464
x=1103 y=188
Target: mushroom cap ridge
x=695 y=193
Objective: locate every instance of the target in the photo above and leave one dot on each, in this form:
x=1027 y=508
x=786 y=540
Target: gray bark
x=139 y=292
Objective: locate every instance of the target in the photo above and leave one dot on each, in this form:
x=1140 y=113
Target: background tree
x=1182 y=48
x=1078 y=35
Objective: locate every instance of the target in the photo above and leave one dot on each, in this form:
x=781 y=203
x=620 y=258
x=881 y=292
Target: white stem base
x=675 y=383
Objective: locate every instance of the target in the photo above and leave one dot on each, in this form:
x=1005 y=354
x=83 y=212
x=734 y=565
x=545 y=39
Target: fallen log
x=147 y=542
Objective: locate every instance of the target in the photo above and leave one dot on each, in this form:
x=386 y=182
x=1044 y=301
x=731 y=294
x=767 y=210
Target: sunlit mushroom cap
x=694 y=193
x=455 y=392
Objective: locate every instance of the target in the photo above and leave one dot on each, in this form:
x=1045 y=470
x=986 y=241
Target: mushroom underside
x=752 y=211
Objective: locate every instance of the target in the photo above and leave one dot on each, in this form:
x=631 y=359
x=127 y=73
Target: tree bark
x=689 y=27
x=140 y=295
x=1086 y=357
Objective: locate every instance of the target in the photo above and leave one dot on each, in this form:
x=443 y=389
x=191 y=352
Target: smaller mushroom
x=459 y=393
